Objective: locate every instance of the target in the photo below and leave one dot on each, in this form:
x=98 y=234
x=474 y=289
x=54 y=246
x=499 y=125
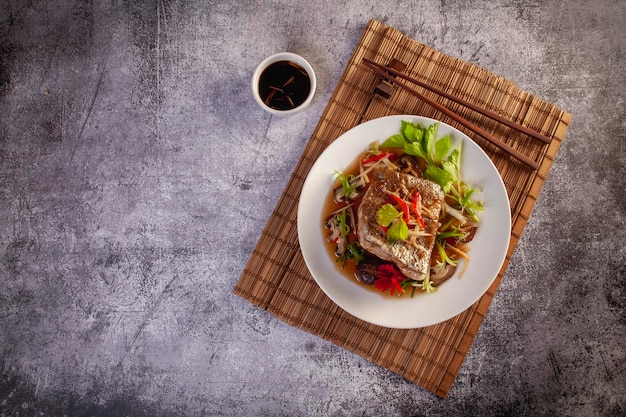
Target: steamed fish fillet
x=411 y=258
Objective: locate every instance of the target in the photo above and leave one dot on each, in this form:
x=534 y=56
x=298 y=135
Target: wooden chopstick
x=389 y=75
x=459 y=100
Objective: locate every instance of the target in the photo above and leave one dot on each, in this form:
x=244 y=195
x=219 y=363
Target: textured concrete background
x=137 y=173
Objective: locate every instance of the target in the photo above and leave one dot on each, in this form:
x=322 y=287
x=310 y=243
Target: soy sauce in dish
x=284 y=85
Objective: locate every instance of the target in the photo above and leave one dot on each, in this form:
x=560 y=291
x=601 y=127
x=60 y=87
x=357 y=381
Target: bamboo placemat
x=276 y=277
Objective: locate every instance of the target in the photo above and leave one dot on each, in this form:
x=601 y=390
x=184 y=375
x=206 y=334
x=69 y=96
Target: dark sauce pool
x=284 y=85
x=330 y=206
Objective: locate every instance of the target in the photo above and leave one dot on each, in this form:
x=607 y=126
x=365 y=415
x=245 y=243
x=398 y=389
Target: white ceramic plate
x=488 y=248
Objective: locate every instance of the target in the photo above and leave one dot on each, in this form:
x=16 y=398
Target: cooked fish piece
x=411 y=257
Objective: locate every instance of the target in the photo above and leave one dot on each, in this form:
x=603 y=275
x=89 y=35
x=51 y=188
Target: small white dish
x=298 y=61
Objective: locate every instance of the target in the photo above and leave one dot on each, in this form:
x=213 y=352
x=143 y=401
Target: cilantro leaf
x=455 y=158
x=419 y=134
x=398 y=231
x=409 y=131
x=440 y=176
x=442 y=147
x=415 y=149
x=412 y=131
x=395 y=141
x=387 y=214
x=451 y=169
x=429 y=139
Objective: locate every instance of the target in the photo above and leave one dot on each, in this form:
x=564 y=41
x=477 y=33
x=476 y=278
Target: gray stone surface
x=136 y=174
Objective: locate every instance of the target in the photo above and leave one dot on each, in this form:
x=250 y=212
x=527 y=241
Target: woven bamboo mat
x=276 y=277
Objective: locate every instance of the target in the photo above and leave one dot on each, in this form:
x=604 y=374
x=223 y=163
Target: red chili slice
x=403 y=206
x=378 y=157
x=416 y=199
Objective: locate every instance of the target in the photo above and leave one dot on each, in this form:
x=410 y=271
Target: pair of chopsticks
x=392 y=75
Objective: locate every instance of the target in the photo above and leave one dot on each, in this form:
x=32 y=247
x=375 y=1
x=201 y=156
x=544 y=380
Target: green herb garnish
x=399 y=230
x=442 y=166
x=347 y=183
x=420 y=141
x=390 y=217
x=387 y=214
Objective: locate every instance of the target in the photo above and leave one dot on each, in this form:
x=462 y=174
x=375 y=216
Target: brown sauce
x=348 y=270
x=284 y=85
x=329 y=207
